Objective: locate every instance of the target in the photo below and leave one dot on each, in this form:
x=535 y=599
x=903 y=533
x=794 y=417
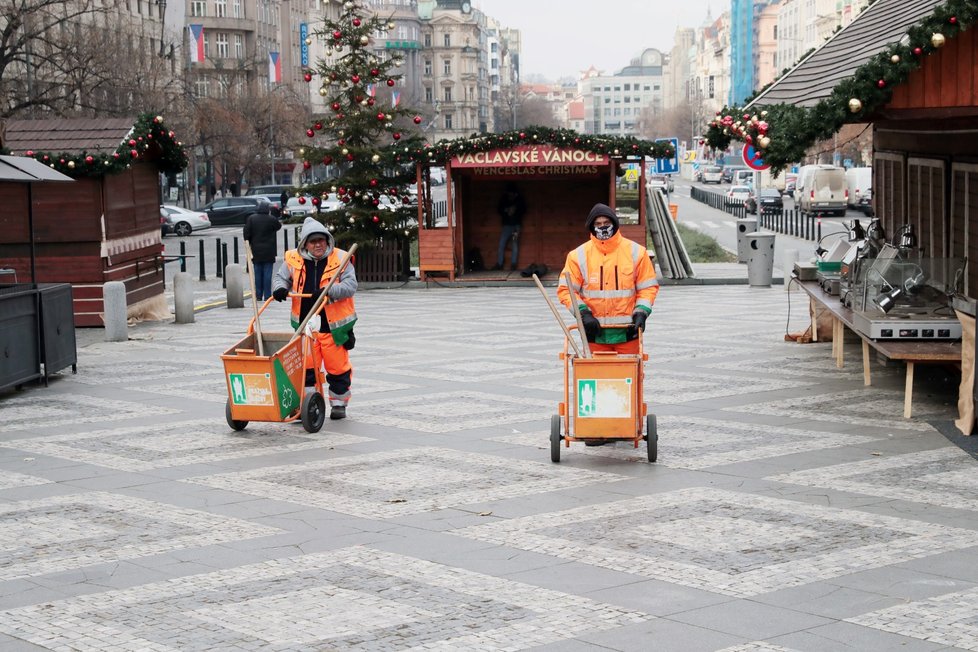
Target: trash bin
x=745 y=226
x=760 y=263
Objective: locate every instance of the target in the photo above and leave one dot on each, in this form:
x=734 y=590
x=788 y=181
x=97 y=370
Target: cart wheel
x=235 y=425
x=313 y=412
x=651 y=437
x=555 y=438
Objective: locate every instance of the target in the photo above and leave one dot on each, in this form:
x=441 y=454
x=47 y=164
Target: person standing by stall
x=511 y=210
x=613 y=282
x=260 y=231
x=307 y=270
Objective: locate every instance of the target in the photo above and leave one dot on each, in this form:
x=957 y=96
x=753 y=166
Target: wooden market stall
x=106 y=225
x=559 y=186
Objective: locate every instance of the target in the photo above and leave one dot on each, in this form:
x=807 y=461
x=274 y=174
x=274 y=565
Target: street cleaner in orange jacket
x=307 y=270
x=613 y=282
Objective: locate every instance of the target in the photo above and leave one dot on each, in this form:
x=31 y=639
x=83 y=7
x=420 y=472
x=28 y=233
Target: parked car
x=737 y=195
x=866 y=202
x=769 y=200
x=269 y=190
x=183 y=222
x=231 y=210
x=273 y=198
x=297 y=209
x=727 y=176
x=164 y=226
x=661 y=181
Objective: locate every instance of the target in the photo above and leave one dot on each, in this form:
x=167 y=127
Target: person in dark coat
x=259 y=231
x=511 y=209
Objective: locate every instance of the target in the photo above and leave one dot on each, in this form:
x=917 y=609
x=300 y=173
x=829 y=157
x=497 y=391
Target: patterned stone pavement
x=791 y=509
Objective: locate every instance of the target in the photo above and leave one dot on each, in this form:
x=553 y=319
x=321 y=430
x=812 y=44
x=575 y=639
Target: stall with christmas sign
x=103 y=227
x=375 y=146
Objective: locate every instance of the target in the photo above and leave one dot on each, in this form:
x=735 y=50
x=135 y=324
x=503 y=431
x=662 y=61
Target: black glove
x=637 y=325
x=280 y=294
x=592 y=328
x=350 y=342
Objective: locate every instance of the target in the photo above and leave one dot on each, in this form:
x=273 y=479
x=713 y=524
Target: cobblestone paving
x=792 y=509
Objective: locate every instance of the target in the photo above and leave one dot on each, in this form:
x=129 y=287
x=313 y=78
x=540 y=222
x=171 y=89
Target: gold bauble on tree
x=895 y=58
x=938 y=40
x=763 y=141
x=364 y=40
x=855 y=105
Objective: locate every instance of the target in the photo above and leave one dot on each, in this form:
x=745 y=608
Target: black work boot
x=337 y=412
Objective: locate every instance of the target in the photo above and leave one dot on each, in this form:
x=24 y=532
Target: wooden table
x=908 y=351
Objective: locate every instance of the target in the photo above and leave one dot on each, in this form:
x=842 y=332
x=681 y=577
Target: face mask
x=604 y=232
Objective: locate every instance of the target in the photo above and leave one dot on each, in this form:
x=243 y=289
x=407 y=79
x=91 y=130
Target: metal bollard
x=285 y=240
x=183 y=256
x=223 y=261
x=116 y=311
x=236 y=250
x=234 y=281
x=183 y=298
x=220 y=267
x=200 y=260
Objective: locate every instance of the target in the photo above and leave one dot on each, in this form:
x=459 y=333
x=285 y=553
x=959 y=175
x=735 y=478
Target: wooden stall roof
x=70 y=136
x=882 y=23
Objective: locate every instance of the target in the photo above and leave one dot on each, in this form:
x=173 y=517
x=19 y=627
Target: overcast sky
x=561 y=38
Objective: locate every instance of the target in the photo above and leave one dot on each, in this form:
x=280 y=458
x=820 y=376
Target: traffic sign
x=668 y=165
x=753 y=159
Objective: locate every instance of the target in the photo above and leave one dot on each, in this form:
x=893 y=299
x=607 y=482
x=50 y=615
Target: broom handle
x=254 y=297
x=577 y=315
x=560 y=321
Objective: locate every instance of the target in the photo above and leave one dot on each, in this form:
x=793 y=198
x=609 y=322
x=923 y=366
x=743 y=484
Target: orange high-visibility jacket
x=611 y=277
x=341 y=314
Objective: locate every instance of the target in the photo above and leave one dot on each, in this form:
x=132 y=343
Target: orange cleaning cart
x=603 y=400
x=271 y=387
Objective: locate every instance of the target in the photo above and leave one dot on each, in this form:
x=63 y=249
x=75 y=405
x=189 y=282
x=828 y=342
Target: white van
x=712 y=174
x=821 y=189
x=743 y=178
x=859 y=181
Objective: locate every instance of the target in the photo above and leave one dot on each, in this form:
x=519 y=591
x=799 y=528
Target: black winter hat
x=598 y=211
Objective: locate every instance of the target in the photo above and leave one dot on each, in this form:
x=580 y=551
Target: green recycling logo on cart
x=288 y=398
x=604 y=397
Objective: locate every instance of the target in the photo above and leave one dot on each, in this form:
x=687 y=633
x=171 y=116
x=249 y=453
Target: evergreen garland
x=784 y=132
x=169 y=154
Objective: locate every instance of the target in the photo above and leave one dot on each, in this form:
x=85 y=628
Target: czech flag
x=395 y=98
x=196 y=43
x=274 y=68
x=372 y=90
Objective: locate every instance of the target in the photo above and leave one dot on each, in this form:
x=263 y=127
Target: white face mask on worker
x=604 y=232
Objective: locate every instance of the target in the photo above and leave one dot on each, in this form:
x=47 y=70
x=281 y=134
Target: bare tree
x=535 y=112
x=40 y=45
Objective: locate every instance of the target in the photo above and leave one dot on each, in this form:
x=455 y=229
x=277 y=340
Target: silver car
x=183 y=222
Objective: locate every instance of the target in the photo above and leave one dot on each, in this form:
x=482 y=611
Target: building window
x=238 y=46
x=448 y=40
x=198 y=8
x=628 y=87
x=448 y=94
x=200 y=88
x=236 y=9
x=447 y=67
x=711 y=89
x=427 y=40
x=494 y=47
x=429 y=95
x=223 y=46
x=448 y=121
x=220 y=8
x=427 y=67
x=223 y=84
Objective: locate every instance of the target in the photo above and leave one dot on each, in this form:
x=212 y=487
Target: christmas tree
x=366 y=134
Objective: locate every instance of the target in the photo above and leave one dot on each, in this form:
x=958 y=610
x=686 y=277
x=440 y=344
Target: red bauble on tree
x=89 y=159
x=417 y=119
x=355 y=79
x=307 y=76
x=316 y=201
x=337 y=35
x=374 y=72
x=918 y=51
x=306 y=165
x=356 y=22
x=381 y=116
x=390 y=82
x=396 y=136
x=881 y=83
x=310 y=133
x=302 y=200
